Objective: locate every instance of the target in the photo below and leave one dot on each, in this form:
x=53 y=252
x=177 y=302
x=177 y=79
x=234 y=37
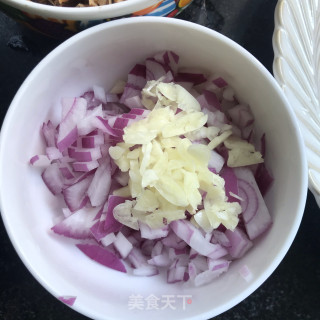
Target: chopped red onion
x=123 y=245
x=157 y=249
x=176 y=274
x=99 y=94
x=99 y=187
x=241 y=115
x=108 y=239
x=246 y=273
x=68 y=132
x=148 y=233
x=85 y=166
x=137 y=259
x=40 y=161
x=193 y=237
x=66 y=171
x=239 y=241
x=53 y=153
x=192 y=270
x=104 y=125
x=220 y=82
x=195 y=78
x=161 y=260
x=228 y=94
x=221 y=238
x=146 y=271
x=133 y=102
x=137 y=76
x=85 y=155
x=173 y=241
x=156 y=70
x=75 y=196
x=261 y=221
x=231 y=183
x=263 y=178
x=50 y=134
x=97 y=229
x=102 y=256
x=209 y=275
x=209 y=100
x=217 y=264
x=68 y=300
x=66 y=212
x=53 y=178
x=77 y=225
x=111 y=224
x=250 y=202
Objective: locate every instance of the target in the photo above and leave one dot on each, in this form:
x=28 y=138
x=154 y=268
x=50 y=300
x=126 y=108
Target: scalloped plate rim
x=278 y=74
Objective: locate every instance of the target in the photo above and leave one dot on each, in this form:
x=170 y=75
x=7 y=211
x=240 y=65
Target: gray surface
x=293 y=290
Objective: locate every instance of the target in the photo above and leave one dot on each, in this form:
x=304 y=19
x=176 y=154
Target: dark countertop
x=293 y=290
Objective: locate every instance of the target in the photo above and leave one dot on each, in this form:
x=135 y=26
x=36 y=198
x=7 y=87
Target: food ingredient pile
x=77 y=3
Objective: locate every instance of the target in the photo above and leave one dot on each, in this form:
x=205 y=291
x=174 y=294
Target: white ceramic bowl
x=100 y=56
x=89 y=13
x=296 y=68
x=61 y=22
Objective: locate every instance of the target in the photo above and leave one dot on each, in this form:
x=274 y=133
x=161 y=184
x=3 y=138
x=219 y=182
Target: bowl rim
x=87 y=13
x=156 y=20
